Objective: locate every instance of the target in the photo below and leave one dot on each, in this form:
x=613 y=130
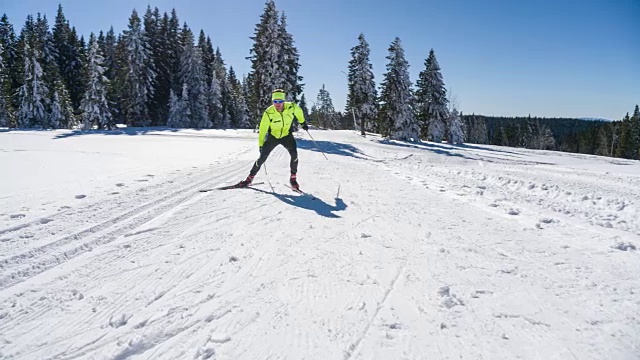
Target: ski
x=229 y=187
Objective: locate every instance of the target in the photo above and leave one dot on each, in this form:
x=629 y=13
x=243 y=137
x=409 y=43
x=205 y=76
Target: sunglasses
x=278 y=101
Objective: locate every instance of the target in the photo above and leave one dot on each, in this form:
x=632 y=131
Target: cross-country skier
x=275 y=129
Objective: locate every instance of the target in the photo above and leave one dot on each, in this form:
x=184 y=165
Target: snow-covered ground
x=409 y=251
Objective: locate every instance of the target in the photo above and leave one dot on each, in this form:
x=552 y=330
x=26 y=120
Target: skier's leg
x=289 y=142
x=268 y=146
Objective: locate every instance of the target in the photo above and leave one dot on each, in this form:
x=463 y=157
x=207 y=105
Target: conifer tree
x=140 y=74
x=476 y=130
x=167 y=64
x=6 y=113
x=67 y=60
x=11 y=63
x=208 y=55
x=179 y=110
x=303 y=106
x=62 y=115
x=192 y=75
x=70 y=58
x=456 y=132
x=214 y=102
x=94 y=106
x=625 y=147
x=265 y=73
x=118 y=84
x=226 y=102
x=326 y=113
x=157 y=104
x=635 y=134
x=58 y=108
x=33 y=94
x=431 y=100
x=289 y=63
x=235 y=90
x=362 y=96
x=396 y=113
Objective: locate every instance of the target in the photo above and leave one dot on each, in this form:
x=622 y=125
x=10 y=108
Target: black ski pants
x=289 y=143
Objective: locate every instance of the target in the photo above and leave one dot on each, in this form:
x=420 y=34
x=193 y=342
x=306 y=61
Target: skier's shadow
x=309 y=202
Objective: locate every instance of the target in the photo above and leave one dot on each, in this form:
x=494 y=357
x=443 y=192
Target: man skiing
x=275 y=129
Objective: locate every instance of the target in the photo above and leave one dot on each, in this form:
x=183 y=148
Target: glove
x=260 y=149
x=305 y=126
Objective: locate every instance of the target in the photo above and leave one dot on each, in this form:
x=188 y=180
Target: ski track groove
x=91 y=211
x=355 y=347
x=123 y=304
x=53 y=254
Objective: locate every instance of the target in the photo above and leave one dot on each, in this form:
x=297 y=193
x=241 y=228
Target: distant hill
x=595 y=119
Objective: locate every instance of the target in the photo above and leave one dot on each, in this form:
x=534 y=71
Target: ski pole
x=314 y=142
x=267 y=174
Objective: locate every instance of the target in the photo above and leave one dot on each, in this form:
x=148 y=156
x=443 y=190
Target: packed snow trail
x=410 y=251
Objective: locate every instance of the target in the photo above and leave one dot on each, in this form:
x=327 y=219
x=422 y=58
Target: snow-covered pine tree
x=214 y=102
x=198 y=95
x=264 y=55
x=61 y=109
x=239 y=116
x=303 y=106
x=431 y=100
x=208 y=55
x=140 y=74
x=5 y=86
x=635 y=134
x=456 y=131
x=325 y=111
x=477 y=130
x=156 y=104
x=168 y=64
x=179 y=110
x=290 y=63
x=220 y=71
x=65 y=60
x=12 y=64
x=33 y=93
x=624 y=149
x=71 y=59
x=59 y=114
x=117 y=94
x=362 y=96
x=94 y=106
x=110 y=67
x=235 y=90
x=192 y=75
x=173 y=119
x=396 y=98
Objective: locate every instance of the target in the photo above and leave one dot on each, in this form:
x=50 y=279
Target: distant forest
x=158 y=73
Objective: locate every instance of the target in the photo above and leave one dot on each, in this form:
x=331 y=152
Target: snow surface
x=410 y=251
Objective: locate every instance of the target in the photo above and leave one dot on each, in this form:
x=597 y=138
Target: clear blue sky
x=570 y=58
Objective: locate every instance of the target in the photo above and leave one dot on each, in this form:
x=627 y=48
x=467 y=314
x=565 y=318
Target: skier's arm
x=264 y=127
x=297 y=111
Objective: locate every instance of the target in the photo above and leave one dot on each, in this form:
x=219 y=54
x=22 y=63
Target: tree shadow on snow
x=484 y=148
x=331 y=148
x=120 y=131
x=309 y=202
x=435 y=148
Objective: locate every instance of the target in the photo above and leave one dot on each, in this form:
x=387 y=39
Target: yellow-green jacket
x=278 y=124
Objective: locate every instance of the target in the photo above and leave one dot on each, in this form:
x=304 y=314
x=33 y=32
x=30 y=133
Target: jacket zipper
x=282 y=117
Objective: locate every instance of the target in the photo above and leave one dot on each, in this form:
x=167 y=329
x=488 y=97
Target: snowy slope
x=410 y=251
